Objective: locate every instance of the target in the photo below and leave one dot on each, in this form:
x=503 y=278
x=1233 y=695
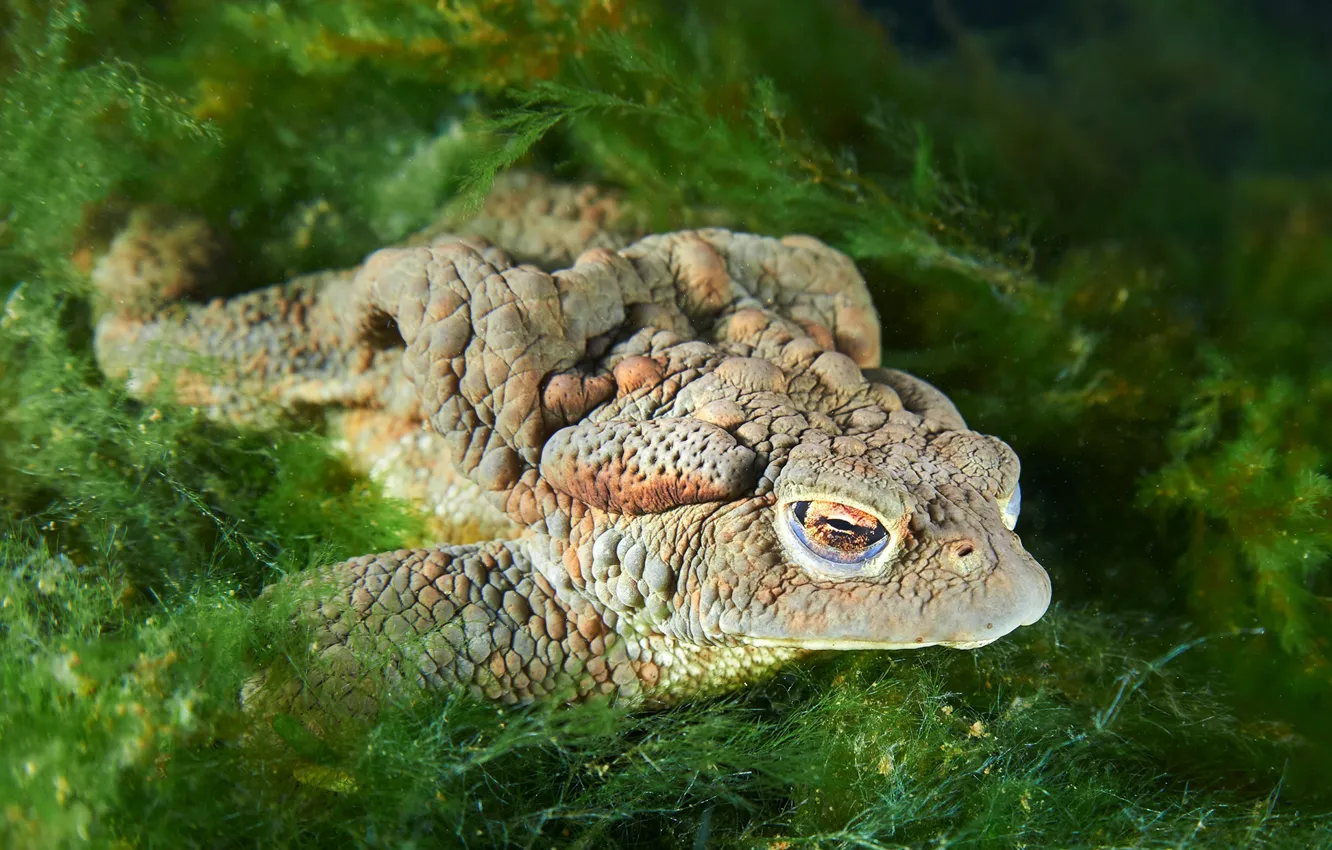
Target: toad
x=665 y=468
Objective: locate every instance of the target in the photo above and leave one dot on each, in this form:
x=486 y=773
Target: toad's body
x=693 y=466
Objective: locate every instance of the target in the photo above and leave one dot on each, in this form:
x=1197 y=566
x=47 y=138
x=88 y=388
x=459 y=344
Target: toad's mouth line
x=854 y=643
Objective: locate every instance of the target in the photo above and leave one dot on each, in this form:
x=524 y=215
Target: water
x=1100 y=228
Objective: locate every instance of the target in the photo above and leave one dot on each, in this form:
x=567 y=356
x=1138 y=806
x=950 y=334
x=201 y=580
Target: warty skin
x=705 y=471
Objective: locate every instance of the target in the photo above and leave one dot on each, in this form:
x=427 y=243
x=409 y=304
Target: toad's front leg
x=477 y=617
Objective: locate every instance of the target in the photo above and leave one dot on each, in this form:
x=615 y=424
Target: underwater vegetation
x=1106 y=230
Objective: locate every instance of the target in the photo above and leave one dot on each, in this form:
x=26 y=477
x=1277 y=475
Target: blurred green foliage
x=1110 y=239
x=334 y=116
x=87 y=113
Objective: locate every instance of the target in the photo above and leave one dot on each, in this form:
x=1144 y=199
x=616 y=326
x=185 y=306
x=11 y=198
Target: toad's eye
x=842 y=537
x=1010 y=509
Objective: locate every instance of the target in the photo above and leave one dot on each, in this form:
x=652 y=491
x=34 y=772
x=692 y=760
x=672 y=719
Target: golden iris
x=837 y=533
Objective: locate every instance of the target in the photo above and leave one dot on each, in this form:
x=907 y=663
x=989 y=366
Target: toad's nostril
x=964 y=556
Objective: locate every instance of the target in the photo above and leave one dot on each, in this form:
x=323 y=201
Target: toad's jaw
x=817 y=644
x=1015 y=595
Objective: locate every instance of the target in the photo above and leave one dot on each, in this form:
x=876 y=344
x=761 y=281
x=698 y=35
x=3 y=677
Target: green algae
x=1146 y=303
x=69 y=131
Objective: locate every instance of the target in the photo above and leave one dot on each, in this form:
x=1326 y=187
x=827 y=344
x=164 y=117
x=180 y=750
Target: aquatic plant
x=1145 y=300
x=92 y=114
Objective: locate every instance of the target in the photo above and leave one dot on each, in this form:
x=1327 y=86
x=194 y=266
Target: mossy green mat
x=1108 y=236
